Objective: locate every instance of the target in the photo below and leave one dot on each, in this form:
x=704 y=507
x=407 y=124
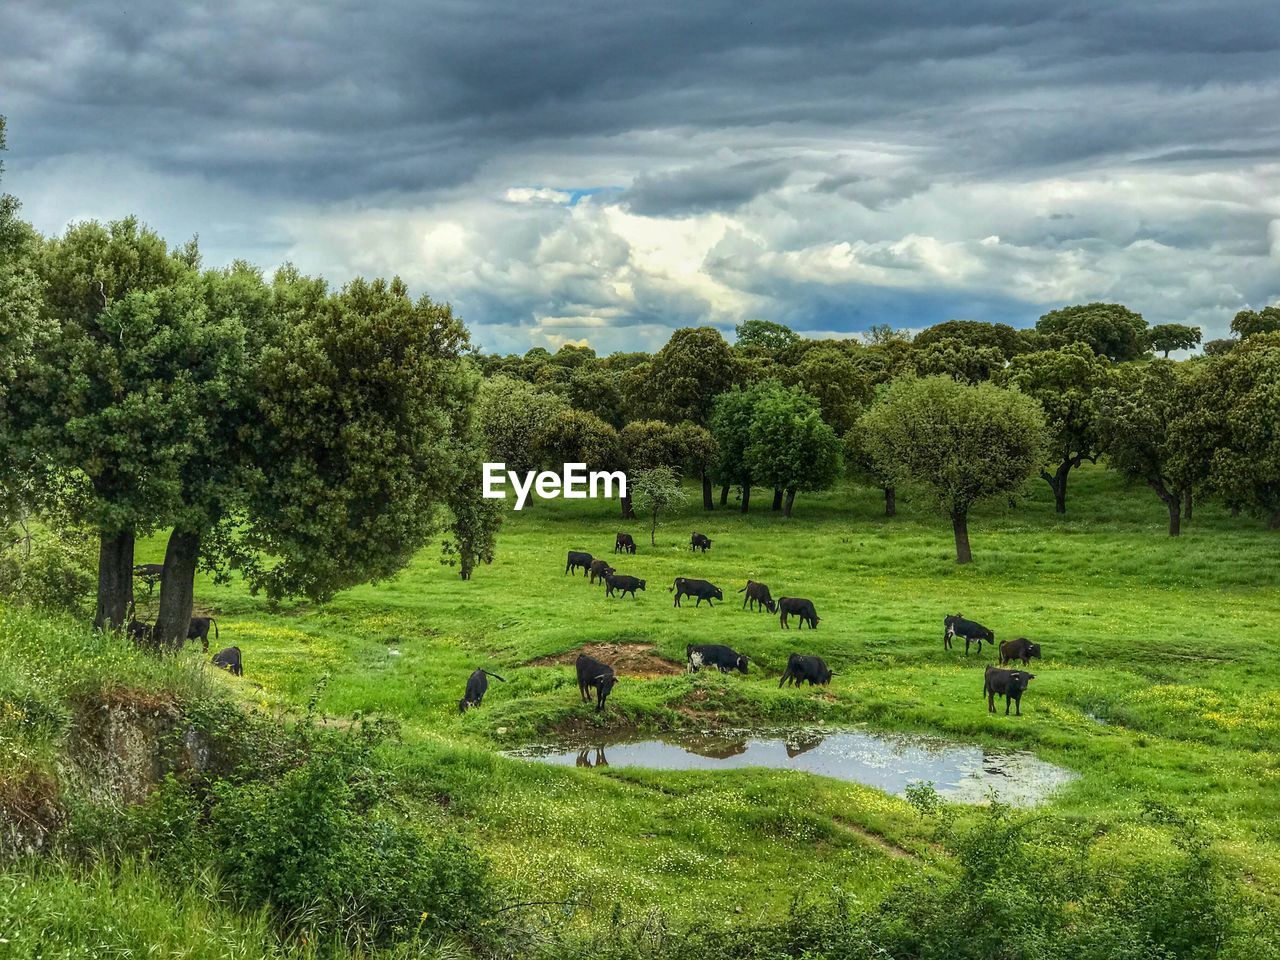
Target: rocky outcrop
x=119 y=746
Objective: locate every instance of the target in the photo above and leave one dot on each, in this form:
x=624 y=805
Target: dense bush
x=54 y=571
x=317 y=847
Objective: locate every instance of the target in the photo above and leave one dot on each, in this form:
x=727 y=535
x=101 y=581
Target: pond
x=891 y=762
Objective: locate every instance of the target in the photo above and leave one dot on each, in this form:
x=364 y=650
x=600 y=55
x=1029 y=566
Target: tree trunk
x=707 y=499
x=177 y=590
x=627 y=512
x=960 y=526
x=1235 y=512
x=746 y=497
x=653 y=530
x=1273 y=523
x=724 y=495
x=1058 y=484
x=890 y=502
x=1186 y=503
x=791 y=499
x=115 y=580
x=777 y=498
x=1171 y=500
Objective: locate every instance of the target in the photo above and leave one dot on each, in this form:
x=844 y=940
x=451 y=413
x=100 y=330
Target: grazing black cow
x=972 y=632
x=715 y=655
x=699 y=542
x=593 y=673
x=1020 y=649
x=802 y=669
x=622 y=582
x=798 y=607
x=140 y=632
x=684 y=587
x=477 y=687
x=199 y=630
x=1007 y=683
x=599 y=569
x=757 y=594
x=229 y=659
x=624 y=544
x=150 y=574
x=578 y=559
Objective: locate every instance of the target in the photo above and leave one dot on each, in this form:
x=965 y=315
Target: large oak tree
x=1140 y=419
x=1067 y=383
x=684 y=379
x=961 y=444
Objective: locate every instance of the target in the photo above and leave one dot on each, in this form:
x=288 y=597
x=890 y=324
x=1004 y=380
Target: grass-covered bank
x=1157 y=687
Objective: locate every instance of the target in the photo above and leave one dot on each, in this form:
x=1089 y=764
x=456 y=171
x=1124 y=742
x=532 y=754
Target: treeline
x=310 y=438
x=962 y=411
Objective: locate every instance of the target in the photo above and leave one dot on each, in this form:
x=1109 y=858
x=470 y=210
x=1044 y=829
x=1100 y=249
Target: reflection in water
x=717 y=749
x=584 y=758
x=890 y=762
x=802 y=743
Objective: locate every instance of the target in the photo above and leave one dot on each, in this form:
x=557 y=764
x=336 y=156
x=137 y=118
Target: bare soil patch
x=627 y=659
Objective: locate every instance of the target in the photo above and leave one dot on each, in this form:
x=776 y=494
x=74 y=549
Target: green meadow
x=1157 y=686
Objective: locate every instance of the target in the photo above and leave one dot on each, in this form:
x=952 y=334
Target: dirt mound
x=628 y=659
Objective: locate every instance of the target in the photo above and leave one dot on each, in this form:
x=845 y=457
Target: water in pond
x=891 y=762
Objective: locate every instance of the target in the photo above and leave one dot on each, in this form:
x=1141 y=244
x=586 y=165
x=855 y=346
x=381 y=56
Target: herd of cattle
x=597 y=679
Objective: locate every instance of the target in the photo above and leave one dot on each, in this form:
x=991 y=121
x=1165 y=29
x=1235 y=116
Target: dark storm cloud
x=699 y=189
x=344 y=99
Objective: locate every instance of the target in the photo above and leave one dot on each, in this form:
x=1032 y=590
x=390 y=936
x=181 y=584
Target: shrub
x=56 y=571
x=319 y=848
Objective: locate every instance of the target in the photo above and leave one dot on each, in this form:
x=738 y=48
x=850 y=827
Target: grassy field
x=1158 y=684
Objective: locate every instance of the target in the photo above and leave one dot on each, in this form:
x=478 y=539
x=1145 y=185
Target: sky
x=573 y=171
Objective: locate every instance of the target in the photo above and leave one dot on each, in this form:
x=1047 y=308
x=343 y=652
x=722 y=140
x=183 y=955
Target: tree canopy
x=764 y=334
x=656 y=491
x=789 y=446
x=1168 y=337
x=687 y=374
x=1139 y=427
x=1067 y=384
x=1250 y=323
x=513 y=415
x=961 y=444
x=1111 y=329
x=1239 y=425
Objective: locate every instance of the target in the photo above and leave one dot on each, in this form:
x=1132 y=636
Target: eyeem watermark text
x=572 y=483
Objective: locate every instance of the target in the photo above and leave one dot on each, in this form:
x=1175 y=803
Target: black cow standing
x=229 y=659
x=578 y=559
x=699 y=542
x=703 y=590
x=599 y=569
x=593 y=674
x=715 y=655
x=972 y=632
x=198 y=629
x=1020 y=649
x=1009 y=684
x=623 y=583
x=803 y=669
x=477 y=687
x=757 y=594
x=140 y=632
x=624 y=544
x=798 y=607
